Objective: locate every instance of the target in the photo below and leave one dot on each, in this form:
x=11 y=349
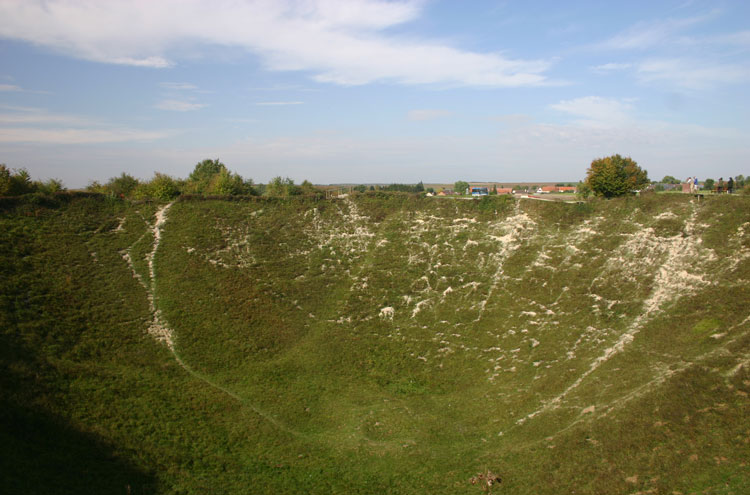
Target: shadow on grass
x=41 y=453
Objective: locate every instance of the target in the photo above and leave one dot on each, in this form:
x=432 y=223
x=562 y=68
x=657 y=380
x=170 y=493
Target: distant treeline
x=412 y=188
x=209 y=178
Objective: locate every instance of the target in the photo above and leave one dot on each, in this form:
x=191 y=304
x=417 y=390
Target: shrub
x=122 y=186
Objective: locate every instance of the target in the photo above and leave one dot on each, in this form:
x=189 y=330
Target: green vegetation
x=385 y=342
x=668 y=179
x=18 y=182
x=614 y=176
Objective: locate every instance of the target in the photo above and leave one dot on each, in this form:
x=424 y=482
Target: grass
x=557 y=345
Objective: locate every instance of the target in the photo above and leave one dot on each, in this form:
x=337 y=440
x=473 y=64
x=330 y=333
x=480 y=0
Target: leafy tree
x=615 y=176
x=308 y=188
x=668 y=179
x=204 y=177
x=460 y=187
x=161 y=187
x=96 y=187
x=49 y=186
x=205 y=170
x=637 y=177
x=419 y=187
x=360 y=188
x=708 y=185
x=281 y=188
x=122 y=186
x=16 y=182
x=225 y=183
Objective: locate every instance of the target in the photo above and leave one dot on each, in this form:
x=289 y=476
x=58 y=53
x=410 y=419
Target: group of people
x=721 y=187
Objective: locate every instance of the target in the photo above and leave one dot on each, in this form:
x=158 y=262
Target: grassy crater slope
x=379 y=343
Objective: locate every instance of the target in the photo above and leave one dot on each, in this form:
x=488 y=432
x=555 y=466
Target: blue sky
x=373 y=91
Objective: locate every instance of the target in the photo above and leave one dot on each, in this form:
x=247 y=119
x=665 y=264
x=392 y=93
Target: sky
x=374 y=91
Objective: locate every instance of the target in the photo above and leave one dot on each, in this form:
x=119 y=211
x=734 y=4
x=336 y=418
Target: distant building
x=446 y=192
x=504 y=190
x=479 y=191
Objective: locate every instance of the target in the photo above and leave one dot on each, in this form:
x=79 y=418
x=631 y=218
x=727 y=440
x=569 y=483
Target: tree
x=122 y=186
x=460 y=187
x=205 y=170
x=668 y=179
x=161 y=187
x=280 y=187
x=615 y=176
x=708 y=184
x=50 y=186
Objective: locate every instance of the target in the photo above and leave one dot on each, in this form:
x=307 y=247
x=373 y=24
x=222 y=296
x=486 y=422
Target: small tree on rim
x=615 y=176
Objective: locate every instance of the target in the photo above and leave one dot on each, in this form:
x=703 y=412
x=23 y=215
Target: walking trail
x=160 y=329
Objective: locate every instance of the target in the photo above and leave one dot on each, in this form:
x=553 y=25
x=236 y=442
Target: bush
x=583 y=191
x=122 y=186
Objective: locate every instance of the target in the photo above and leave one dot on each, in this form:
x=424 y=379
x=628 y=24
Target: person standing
x=695 y=184
x=720 y=185
x=730 y=185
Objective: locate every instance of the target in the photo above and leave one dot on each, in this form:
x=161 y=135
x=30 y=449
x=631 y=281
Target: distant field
x=380 y=343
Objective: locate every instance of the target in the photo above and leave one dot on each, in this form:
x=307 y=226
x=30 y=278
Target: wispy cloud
x=346 y=43
x=10 y=87
x=691 y=73
x=37 y=125
x=427 y=114
x=680 y=55
x=644 y=35
x=611 y=67
x=278 y=103
x=178 y=105
x=76 y=136
x=178 y=86
x=596 y=110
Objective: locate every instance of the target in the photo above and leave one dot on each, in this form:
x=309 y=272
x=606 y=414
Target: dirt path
x=160 y=329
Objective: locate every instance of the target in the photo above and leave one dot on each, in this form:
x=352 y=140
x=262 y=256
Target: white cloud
x=427 y=114
x=338 y=42
x=178 y=105
x=10 y=87
x=597 y=110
